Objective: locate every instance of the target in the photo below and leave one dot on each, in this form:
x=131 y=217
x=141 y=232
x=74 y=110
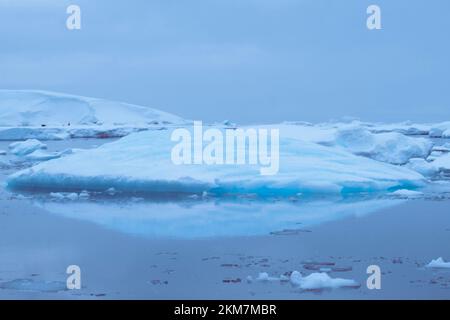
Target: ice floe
x=320 y=281
x=22 y=148
x=313 y=281
x=438 y=263
x=141 y=162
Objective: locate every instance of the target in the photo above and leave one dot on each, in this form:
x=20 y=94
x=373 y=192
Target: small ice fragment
x=23 y=148
x=84 y=194
x=2 y=153
x=438 y=263
x=264 y=276
x=111 y=191
x=403 y=193
x=319 y=281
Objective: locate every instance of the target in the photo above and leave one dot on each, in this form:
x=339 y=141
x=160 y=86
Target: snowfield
x=141 y=162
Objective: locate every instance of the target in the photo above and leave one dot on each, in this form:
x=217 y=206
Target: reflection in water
x=196 y=219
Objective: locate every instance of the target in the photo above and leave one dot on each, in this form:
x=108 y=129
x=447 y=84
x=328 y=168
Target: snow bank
x=141 y=162
x=438 y=263
x=23 y=148
x=22 y=108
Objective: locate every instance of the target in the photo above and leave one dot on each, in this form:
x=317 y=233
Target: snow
x=141 y=162
x=319 y=281
x=24 y=108
x=23 y=148
x=438 y=263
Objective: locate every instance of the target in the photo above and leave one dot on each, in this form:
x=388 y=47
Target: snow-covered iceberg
x=26 y=114
x=22 y=108
x=438 y=263
x=141 y=163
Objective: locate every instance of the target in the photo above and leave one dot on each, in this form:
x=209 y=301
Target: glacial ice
x=390 y=147
x=23 y=148
x=319 y=281
x=141 y=162
x=438 y=263
x=24 y=108
x=407 y=194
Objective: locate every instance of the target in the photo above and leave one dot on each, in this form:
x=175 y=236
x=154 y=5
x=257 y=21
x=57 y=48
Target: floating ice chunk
x=436 y=132
x=319 y=281
x=40 y=155
x=409 y=194
x=40 y=133
x=438 y=263
x=439 y=130
x=64 y=195
x=33 y=285
x=391 y=147
x=442 y=163
x=264 y=276
x=141 y=162
x=446 y=134
x=422 y=166
x=23 y=148
x=2 y=153
x=84 y=195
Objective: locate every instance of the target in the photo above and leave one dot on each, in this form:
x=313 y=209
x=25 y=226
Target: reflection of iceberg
x=209 y=219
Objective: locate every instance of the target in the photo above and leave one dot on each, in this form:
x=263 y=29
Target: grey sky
x=244 y=60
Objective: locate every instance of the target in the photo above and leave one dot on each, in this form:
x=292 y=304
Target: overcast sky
x=244 y=60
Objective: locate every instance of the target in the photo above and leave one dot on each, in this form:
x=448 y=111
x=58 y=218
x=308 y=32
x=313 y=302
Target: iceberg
x=438 y=263
x=320 y=281
x=27 y=108
x=28 y=114
x=23 y=148
x=141 y=163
